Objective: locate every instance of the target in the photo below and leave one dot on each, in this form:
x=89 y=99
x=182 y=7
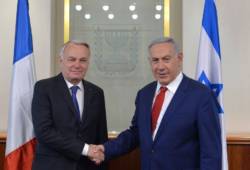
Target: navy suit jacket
x=188 y=137
x=60 y=136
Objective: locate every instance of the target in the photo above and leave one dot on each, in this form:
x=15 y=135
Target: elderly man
x=68 y=113
x=175 y=124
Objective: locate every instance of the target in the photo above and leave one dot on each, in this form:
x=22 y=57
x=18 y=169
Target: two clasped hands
x=96 y=153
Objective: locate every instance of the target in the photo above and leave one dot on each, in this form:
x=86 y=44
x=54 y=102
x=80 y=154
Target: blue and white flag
x=21 y=141
x=208 y=69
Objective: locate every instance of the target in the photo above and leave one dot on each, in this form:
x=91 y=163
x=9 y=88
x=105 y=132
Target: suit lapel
x=148 y=109
x=174 y=104
x=88 y=93
x=64 y=92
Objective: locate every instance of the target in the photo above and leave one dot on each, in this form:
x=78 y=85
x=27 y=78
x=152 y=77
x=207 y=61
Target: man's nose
x=77 y=64
x=161 y=65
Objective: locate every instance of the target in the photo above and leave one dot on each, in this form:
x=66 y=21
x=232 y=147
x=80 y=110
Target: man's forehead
x=75 y=46
x=162 y=44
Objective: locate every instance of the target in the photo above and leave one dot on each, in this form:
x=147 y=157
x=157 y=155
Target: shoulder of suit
x=91 y=85
x=196 y=85
x=48 y=80
x=149 y=86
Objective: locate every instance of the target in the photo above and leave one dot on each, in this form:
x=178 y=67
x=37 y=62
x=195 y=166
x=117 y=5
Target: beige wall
x=234 y=28
x=234 y=35
x=40 y=12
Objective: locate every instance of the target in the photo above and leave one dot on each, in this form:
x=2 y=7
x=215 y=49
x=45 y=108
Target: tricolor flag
x=20 y=137
x=209 y=64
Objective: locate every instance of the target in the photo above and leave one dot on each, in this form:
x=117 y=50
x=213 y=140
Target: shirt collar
x=172 y=86
x=80 y=85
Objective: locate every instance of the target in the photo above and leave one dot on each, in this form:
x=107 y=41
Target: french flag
x=20 y=145
x=208 y=69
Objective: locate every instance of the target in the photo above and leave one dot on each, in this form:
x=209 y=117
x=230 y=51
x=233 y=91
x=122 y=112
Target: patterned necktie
x=74 y=99
x=157 y=107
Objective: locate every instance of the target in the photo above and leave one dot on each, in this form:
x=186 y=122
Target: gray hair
x=76 y=42
x=165 y=40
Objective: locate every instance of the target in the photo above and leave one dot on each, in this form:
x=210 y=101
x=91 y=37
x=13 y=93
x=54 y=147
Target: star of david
x=216 y=88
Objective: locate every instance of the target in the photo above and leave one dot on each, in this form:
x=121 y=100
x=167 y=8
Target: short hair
x=76 y=42
x=165 y=40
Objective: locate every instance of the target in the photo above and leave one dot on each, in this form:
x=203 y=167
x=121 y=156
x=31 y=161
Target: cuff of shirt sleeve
x=85 y=149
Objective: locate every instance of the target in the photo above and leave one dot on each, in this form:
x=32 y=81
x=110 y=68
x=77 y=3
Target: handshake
x=96 y=153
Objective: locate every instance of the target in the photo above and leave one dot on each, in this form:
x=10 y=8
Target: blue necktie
x=74 y=91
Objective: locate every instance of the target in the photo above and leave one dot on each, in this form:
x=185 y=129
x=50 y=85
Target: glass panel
x=118 y=32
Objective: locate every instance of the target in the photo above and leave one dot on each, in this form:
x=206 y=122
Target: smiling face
x=74 y=62
x=165 y=62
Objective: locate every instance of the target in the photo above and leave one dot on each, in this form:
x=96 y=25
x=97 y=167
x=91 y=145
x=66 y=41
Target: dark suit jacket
x=188 y=137
x=60 y=136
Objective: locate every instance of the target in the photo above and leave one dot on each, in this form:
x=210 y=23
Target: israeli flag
x=208 y=69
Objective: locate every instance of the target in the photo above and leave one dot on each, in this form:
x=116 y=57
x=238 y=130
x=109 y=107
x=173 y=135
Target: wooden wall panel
x=238 y=148
x=130 y=161
x=239 y=157
x=2 y=149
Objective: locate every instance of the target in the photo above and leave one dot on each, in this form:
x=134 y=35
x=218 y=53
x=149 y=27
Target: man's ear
x=180 y=56
x=60 y=59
